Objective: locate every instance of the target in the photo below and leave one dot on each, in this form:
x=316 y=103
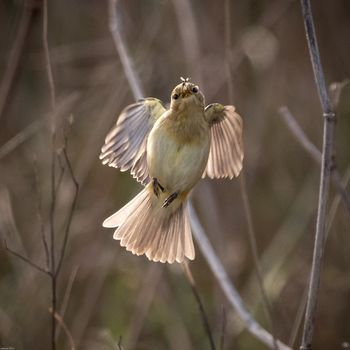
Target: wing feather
x=226 y=149
x=125 y=145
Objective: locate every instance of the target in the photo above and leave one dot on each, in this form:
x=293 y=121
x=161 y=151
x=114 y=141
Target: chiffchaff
x=168 y=151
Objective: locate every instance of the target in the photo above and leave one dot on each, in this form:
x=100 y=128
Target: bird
x=168 y=150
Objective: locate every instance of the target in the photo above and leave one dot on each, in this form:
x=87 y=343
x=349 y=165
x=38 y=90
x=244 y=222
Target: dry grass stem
x=204 y=316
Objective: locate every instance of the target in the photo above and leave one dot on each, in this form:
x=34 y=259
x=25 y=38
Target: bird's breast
x=177 y=153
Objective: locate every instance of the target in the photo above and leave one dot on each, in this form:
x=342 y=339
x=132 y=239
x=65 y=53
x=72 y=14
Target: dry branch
x=200 y=304
x=314 y=152
x=326 y=167
x=246 y=205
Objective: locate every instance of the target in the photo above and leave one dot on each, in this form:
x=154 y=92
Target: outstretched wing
x=226 y=149
x=126 y=144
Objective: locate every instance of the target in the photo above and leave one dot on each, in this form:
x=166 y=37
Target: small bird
x=169 y=151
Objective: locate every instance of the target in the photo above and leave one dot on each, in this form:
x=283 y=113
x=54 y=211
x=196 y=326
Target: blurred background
x=104 y=292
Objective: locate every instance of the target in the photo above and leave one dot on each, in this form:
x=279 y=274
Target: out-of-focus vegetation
x=105 y=292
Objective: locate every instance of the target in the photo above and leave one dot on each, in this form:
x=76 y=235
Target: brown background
x=106 y=288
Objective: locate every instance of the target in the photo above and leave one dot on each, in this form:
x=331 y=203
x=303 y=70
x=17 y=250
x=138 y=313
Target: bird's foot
x=157 y=186
x=170 y=199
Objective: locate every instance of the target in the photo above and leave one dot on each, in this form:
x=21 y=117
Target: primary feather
x=125 y=145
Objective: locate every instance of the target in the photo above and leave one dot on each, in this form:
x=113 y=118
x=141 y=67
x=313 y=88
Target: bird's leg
x=170 y=199
x=157 y=186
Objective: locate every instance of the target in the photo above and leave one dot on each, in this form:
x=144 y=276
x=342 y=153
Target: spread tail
x=145 y=227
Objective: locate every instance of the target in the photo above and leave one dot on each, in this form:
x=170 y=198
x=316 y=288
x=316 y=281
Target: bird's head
x=185 y=95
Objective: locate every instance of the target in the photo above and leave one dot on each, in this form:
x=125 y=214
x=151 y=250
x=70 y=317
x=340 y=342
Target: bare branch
x=150 y=285
x=204 y=316
x=62 y=170
x=31 y=129
x=27 y=260
x=223 y=329
x=314 y=152
x=330 y=218
x=123 y=52
x=335 y=90
x=254 y=249
x=48 y=63
x=337 y=182
x=53 y=174
x=246 y=205
x=39 y=214
x=189 y=35
x=228 y=288
x=334 y=206
x=67 y=293
x=299 y=134
x=327 y=154
x=71 y=211
x=298 y=319
x=61 y=322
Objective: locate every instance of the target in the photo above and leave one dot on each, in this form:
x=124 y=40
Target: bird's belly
x=177 y=166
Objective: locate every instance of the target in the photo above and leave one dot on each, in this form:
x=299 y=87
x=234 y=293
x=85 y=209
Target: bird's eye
x=175 y=96
x=195 y=89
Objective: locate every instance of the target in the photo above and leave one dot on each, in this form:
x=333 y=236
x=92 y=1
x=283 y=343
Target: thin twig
x=314 y=152
x=330 y=219
x=277 y=259
x=143 y=302
x=31 y=129
x=256 y=261
x=334 y=206
x=189 y=34
x=39 y=213
x=53 y=176
x=299 y=134
x=327 y=154
x=204 y=316
x=228 y=49
x=27 y=260
x=48 y=62
x=247 y=210
x=223 y=329
x=67 y=294
x=123 y=53
x=61 y=322
x=228 y=288
x=71 y=211
x=62 y=170
x=298 y=319
x=16 y=52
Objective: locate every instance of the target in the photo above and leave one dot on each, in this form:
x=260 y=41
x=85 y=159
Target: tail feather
x=145 y=227
x=119 y=217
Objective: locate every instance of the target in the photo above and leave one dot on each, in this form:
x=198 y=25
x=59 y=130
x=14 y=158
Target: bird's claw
x=157 y=186
x=170 y=199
